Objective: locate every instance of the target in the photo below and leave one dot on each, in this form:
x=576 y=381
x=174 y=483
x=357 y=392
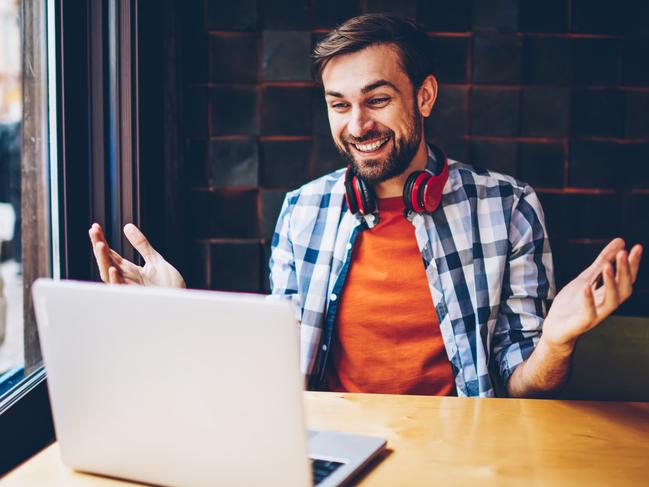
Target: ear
x=426 y=95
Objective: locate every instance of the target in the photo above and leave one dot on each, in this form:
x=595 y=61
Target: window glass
x=11 y=314
x=24 y=184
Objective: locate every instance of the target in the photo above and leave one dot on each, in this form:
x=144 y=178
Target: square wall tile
x=331 y=13
x=546 y=16
x=634 y=15
x=545 y=111
x=497 y=58
x=541 y=164
x=320 y=115
x=242 y=15
x=235 y=266
x=326 y=158
x=445 y=15
x=222 y=214
x=271 y=204
x=234 y=163
x=634 y=172
x=197 y=276
x=547 y=60
x=455 y=147
x=596 y=61
x=285 y=110
x=286 y=14
x=594 y=164
x=636 y=114
x=285 y=163
x=234 y=58
x=287 y=55
x=234 y=111
x=500 y=156
x=494 y=111
x=594 y=216
x=634 y=61
x=451 y=59
x=595 y=17
x=403 y=8
x=635 y=226
x=449 y=112
x=495 y=15
x=598 y=112
x=265 y=268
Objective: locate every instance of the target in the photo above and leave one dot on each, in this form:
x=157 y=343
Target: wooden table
x=457 y=441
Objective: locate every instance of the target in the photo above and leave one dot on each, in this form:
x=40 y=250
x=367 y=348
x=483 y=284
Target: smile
x=371 y=147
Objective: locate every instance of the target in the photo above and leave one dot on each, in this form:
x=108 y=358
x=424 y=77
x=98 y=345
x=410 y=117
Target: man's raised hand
x=115 y=269
x=583 y=303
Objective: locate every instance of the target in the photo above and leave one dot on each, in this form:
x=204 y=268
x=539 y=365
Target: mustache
x=373 y=134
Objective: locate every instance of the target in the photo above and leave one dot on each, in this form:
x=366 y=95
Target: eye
x=339 y=106
x=379 y=101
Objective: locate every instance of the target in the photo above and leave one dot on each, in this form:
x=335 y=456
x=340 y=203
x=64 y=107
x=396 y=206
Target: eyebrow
x=367 y=88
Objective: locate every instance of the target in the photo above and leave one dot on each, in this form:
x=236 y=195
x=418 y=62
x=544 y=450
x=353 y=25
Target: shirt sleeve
x=283 y=280
x=528 y=286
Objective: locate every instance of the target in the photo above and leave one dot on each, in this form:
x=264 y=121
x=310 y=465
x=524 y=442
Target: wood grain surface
x=457 y=441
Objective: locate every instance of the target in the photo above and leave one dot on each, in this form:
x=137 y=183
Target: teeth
x=371 y=147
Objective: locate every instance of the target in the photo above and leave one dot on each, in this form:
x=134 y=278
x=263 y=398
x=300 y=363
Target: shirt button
x=324 y=348
x=333 y=297
x=348 y=246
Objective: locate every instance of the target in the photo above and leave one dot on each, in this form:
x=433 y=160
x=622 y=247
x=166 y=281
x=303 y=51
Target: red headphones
x=422 y=192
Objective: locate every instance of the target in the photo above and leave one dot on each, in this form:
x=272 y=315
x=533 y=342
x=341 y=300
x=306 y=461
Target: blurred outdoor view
x=11 y=320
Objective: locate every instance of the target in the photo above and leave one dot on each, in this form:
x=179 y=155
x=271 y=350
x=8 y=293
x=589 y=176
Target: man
x=348 y=247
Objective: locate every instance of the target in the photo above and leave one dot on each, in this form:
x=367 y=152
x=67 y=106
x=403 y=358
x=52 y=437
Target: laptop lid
x=174 y=387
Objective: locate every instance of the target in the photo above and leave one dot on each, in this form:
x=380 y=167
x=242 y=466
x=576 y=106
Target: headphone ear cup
x=413 y=194
x=407 y=190
x=350 y=194
x=367 y=202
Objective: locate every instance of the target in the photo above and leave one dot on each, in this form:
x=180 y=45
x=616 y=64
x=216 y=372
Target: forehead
x=349 y=73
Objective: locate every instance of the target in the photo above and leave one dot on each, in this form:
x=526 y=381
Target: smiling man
x=411 y=273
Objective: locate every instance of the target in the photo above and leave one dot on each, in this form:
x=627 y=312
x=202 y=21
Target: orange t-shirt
x=387 y=337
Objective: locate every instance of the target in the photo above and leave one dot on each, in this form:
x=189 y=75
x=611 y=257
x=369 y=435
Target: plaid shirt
x=487 y=260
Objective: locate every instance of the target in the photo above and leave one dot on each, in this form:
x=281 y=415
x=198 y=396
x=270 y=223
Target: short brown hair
x=357 y=33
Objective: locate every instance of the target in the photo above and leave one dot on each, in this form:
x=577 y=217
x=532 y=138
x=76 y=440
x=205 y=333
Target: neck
x=394 y=187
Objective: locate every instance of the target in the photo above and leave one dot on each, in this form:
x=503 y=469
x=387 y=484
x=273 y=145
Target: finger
x=116 y=258
x=634 y=261
x=611 y=296
x=96 y=234
x=590 y=311
x=607 y=255
x=130 y=273
x=114 y=277
x=139 y=241
x=623 y=275
x=103 y=260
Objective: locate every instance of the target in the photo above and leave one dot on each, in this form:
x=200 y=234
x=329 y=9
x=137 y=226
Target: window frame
x=97 y=109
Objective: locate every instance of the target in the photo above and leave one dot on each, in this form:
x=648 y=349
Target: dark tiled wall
x=554 y=92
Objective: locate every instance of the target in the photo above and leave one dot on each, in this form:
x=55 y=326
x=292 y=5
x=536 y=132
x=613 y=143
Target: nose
x=360 y=122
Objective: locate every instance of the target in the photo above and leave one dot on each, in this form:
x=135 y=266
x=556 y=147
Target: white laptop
x=183 y=388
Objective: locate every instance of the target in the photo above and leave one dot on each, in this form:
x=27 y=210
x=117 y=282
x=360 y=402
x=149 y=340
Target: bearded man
x=411 y=273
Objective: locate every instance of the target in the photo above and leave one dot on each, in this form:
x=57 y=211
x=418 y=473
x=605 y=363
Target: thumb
x=139 y=241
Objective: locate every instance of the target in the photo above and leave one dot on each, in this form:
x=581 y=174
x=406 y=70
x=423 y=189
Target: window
x=11 y=316
x=25 y=185
x=28 y=216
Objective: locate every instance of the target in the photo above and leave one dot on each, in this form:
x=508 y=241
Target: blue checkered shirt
x=487 y=260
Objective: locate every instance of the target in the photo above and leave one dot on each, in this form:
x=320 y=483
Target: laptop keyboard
x=322 y=469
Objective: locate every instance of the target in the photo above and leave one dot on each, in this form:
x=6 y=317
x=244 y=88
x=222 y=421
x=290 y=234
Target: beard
x=396 y=162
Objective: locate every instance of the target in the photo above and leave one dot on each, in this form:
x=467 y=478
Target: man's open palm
x=115 y=269
x=581 y=305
